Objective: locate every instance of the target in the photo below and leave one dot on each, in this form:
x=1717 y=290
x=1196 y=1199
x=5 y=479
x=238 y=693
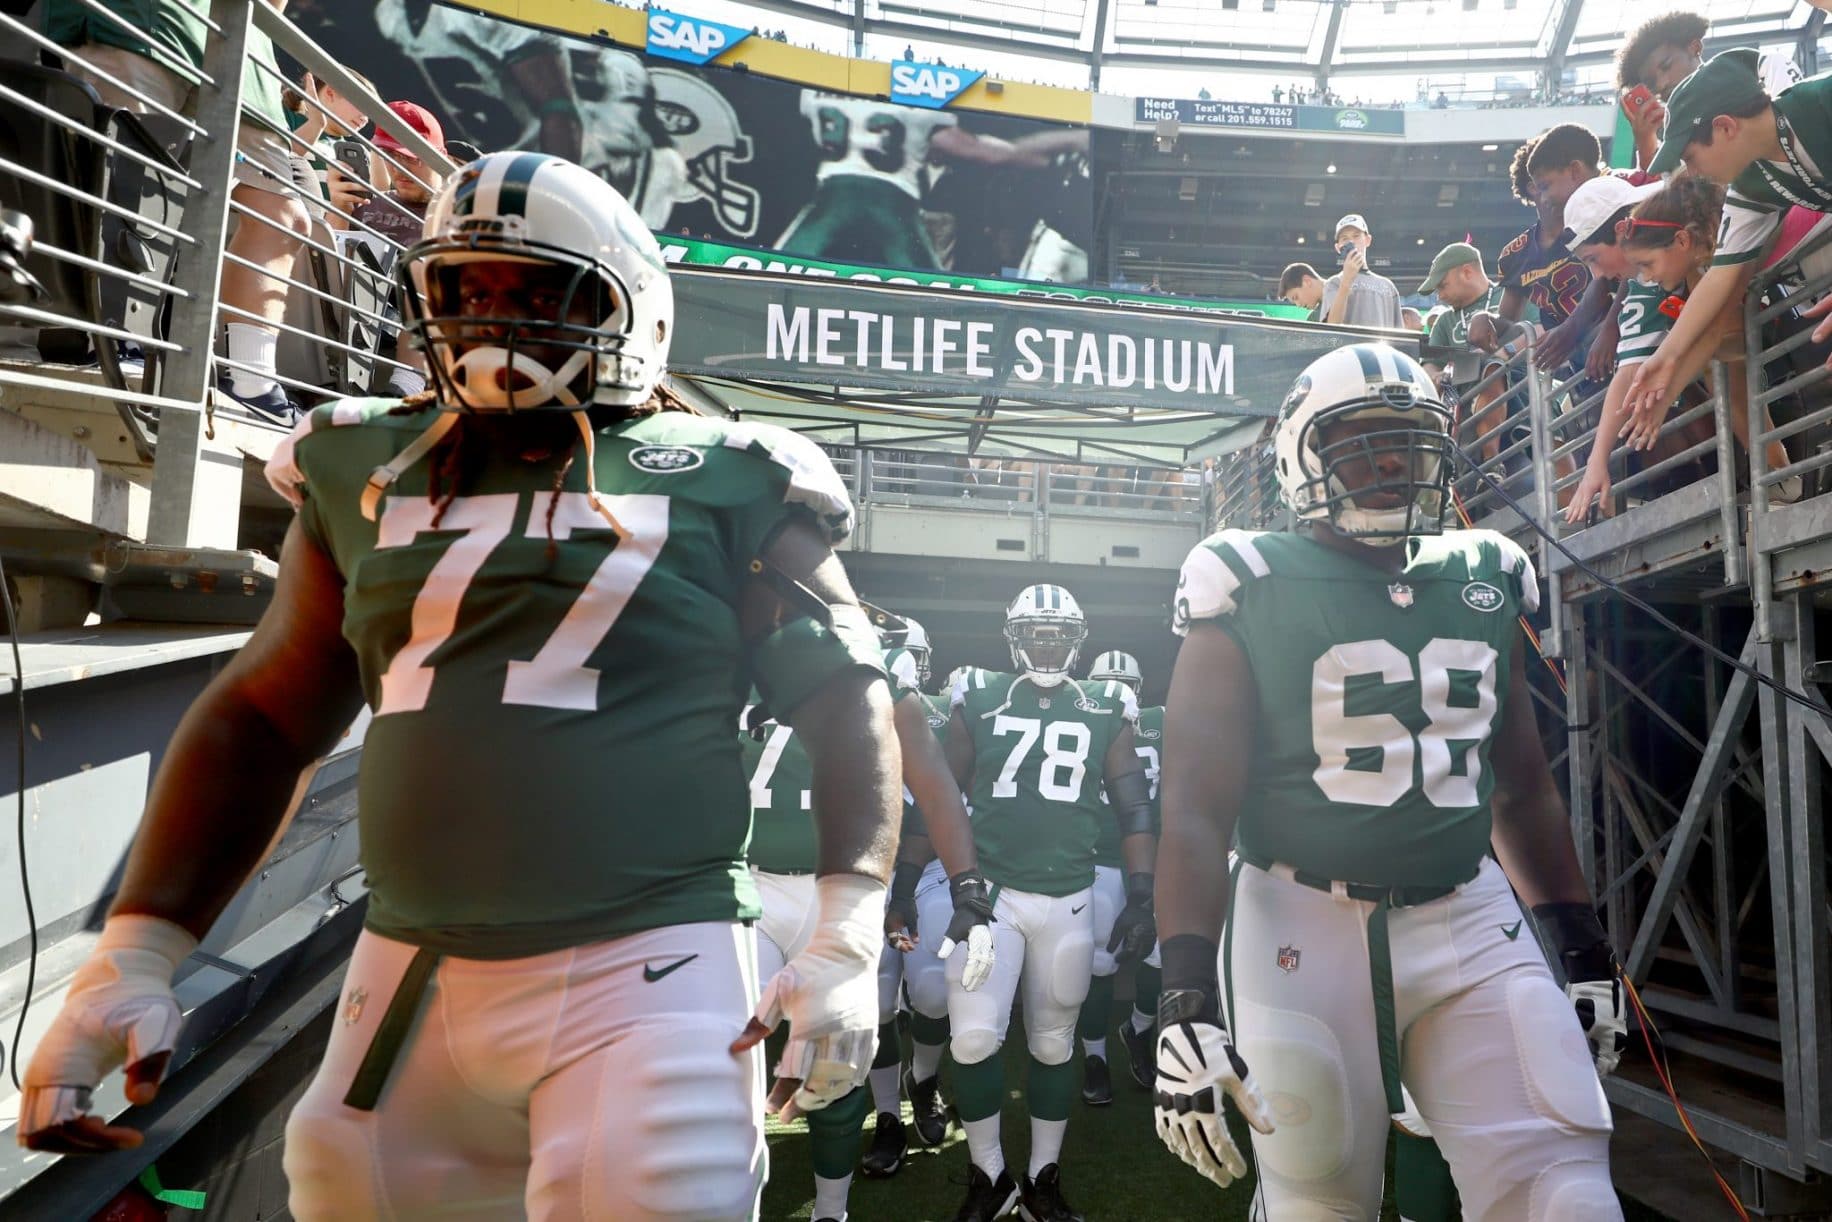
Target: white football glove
x=1198 y=1068
x=119 y=1010
x=829 y=995
x=1605 y=1021
x=971 y=923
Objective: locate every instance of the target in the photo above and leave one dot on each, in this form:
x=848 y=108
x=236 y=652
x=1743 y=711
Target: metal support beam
x=1777 y=811
x=1806 y=743
x=182 y=514
x=1806 y=47
x=1713 y=773
x=1332 y=37
x=858 y=29
x=1561 y=44
x=1095 y=52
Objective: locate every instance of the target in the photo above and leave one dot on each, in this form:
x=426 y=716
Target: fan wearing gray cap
x=1774 y=153
x=1355 y=296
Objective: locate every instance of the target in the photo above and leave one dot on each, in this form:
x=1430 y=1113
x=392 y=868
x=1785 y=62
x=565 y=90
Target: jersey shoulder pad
x=900 y=664
x=1107 y=694
x=375 y=427
x=972 y=681
x=1151 y=724
x=1488 y=556
x=813 y=484
x=1213 y=575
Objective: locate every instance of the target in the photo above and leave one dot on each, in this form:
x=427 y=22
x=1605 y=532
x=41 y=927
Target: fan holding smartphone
x=1355 y=296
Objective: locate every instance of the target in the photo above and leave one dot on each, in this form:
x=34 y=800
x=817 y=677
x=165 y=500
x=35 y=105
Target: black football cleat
x=987 y=1199
x=1141 y=1054
x=1042 y=1198
x=930 y=1111
x=1096 y=1082
x=885 y=1158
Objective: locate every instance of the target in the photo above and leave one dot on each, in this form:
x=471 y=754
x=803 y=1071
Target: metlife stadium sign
x=928 y=85
x=689 y=39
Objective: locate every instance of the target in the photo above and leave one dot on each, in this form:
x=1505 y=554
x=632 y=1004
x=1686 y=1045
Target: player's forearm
x=1532 y=841
x=916 y=849
x=1140 y=853
x=1192 y=878
x=848 y=730
x=204 y=831
x=925 y=771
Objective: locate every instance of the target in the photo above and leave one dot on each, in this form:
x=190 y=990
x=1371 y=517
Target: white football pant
x=1045 y=942
x=594 y=1082
x=1490 y=1050
x=1109 y=898
x=925 y=976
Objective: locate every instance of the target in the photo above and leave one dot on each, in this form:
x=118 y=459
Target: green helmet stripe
x=512 y=192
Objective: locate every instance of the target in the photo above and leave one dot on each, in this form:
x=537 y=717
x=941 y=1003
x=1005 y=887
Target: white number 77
x=556 y=677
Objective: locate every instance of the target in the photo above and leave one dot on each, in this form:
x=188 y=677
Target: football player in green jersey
x=783 y=857
x=552 y=595
x=1117 y=666
x=1036 y=751
x=1351 y=699
x=916 y=926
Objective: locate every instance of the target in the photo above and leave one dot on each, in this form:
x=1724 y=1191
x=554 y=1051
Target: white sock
x=830 y=1196
x=1046 y=1143
x=1095 y=1048
x=983 y=1145
x=405 y=382
x=1141 y=1021
x=925 y=1061
x=252 y=346
x=884 y=1094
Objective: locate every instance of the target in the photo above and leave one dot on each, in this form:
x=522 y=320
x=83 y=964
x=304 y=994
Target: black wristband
x=1578 y=938
x=904 y=879
x=1189 y=962
x=1140 y=887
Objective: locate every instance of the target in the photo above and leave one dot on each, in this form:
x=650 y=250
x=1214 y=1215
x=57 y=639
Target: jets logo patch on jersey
x=1481 y=596
x=1088 y=706
x=665 y=460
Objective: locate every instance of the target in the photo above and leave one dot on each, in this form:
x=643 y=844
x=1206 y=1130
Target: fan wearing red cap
x=400 y=215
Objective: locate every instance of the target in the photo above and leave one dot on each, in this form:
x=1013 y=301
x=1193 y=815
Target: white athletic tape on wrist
x=119 y=1010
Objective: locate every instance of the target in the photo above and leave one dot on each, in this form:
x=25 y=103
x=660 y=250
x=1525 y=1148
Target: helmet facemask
x=1378 y=469
x=562 y=347
x=1045 y=650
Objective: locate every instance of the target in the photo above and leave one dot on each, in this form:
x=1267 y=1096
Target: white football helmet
x=1401 y=488
x=1117 y=665
x=1045 y=628
x=535 y=208
x=916 y=640
x=705 y=131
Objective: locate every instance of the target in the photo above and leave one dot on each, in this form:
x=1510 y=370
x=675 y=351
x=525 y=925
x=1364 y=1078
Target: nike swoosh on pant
x=653 y=974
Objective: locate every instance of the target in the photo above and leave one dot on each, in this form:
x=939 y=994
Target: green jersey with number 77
x=516 y=619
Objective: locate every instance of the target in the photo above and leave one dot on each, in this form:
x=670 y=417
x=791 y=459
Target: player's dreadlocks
x=534 y=437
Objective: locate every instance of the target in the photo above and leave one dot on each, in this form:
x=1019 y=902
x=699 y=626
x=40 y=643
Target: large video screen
x=727 y=155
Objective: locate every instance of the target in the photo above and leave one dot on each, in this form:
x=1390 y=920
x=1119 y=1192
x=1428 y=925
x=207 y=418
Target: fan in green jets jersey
x=1037 y=753
x=552 y=593
x=1117 y=666
x=1351 y=698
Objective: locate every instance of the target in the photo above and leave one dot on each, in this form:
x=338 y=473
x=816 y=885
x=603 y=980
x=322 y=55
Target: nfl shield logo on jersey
x=1288 y=959
x=1401 y=594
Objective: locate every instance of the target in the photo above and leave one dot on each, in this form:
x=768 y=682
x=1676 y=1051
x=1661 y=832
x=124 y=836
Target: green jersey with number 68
x=1039 y=759
x=782 y=800
x=1148 y=741
x=551 y=760
x=1378 y=696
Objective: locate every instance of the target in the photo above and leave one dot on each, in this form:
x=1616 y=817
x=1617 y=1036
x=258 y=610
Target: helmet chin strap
x=483 y=377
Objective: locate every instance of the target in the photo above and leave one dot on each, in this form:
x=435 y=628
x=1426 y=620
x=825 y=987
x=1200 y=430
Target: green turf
x=1113 y=1168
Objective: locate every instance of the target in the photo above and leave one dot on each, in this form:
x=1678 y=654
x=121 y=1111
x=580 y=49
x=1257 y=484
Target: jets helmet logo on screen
x=704 y=129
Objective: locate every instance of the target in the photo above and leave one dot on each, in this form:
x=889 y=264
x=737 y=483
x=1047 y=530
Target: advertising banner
x=691 y=252
x=721 y=155
x=930 y=86
x=1339 y=120
x=857 y=335
x=688 y=39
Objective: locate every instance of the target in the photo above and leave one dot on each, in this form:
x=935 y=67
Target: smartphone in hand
x=1637 y=100
x=354 y=157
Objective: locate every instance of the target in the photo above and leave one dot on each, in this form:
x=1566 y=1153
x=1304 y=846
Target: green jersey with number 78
x=552 y=758
x=1039 y=758
x=1378 y=695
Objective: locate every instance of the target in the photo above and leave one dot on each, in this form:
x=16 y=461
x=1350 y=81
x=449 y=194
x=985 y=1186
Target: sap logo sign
x=672 y=36
x=926 y=85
